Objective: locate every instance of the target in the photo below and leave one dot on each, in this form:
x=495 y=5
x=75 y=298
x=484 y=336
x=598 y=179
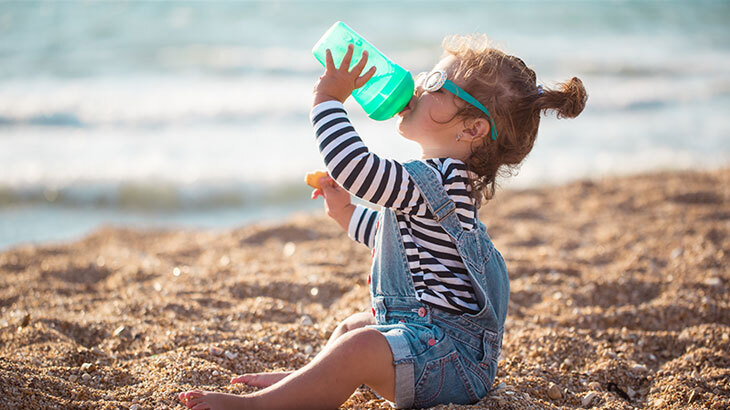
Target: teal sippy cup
x=388 y=91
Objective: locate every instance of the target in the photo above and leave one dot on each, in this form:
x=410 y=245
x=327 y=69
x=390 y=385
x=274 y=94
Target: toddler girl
x=439 y=288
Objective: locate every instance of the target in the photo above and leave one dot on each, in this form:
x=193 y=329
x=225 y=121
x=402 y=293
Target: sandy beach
x=619 y=299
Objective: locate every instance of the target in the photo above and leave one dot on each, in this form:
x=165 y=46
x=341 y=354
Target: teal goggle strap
x=459 y=92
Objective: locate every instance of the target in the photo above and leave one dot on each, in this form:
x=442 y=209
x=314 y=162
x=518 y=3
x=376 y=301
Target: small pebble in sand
x=176 y=271
x=88 y=367
x=714 y=282
x=118 y=331
x=554 y=392
x=305 y=321
x=157 y=286
x=230 y=355
x=86 y=377
x=97 y=351
x=215 y=351
x=134 y=407
x=594 y=385
x=314 y=291
x=588 y=399
x=691 y=396
x=630 y=392
x=215 y=373
x=639 y=368
x=308 y=349
x=224 y=261
x=567 y=364
x=289 y=249
x=73 y=378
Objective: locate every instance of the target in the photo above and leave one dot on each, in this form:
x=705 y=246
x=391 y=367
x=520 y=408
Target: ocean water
x=195 y=114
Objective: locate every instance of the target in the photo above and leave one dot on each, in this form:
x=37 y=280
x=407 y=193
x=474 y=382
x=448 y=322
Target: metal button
x=431 y=342
x=422 y=312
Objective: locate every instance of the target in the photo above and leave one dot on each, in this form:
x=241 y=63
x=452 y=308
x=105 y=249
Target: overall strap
x=437 y=200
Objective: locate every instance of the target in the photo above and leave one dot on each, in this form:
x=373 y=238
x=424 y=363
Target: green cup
x=388 y=91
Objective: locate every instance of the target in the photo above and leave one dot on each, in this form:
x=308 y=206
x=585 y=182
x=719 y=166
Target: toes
x=194 y=402
x=188 y=395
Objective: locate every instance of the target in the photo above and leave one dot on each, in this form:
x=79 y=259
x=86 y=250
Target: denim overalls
x=439 y=357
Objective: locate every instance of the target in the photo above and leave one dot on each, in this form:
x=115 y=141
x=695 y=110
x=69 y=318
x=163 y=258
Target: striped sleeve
x=363 y=225
x=379 y=181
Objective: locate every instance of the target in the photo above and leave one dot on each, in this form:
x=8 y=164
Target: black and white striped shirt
x=438 y=272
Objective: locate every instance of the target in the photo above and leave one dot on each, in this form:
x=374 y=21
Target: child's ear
x=475 y=129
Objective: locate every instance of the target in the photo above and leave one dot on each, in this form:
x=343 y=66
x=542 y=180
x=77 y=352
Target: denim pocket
x=484 y=365
x=444 y=380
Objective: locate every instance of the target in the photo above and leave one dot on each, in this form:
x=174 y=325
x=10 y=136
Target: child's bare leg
x=353 y=322
x=361 y=356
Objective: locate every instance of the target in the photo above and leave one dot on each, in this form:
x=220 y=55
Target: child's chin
x=400 y=128
x=405 y=134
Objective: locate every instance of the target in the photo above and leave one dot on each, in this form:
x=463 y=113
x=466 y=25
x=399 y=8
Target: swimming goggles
x=435 y=80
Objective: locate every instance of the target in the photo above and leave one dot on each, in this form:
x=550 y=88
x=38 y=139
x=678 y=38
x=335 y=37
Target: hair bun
x=572 y=100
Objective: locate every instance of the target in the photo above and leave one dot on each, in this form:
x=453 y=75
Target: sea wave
x=154 y=196
x=164 y=102
x=154 y=101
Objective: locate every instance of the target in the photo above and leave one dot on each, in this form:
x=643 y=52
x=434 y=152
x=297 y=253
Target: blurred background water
x=195 y=114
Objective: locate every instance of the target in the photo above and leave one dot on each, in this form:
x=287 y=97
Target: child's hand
x=336 y=200
x=335 y=196
x=338 y=83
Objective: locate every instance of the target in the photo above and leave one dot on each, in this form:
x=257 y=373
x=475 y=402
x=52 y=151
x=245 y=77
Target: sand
x=619 y=300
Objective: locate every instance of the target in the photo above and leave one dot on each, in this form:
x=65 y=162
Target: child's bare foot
x=260 y=379
x=205 y=400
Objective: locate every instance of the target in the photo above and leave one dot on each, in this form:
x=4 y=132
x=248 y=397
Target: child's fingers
x=348 y=58
x=239 y=379
x=360 y=64
x=328 y=185
x=360 y=81
x=316 y=193
x=329 y=62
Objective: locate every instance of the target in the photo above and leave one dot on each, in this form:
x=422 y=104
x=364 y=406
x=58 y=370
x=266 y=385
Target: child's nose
x=418 y=91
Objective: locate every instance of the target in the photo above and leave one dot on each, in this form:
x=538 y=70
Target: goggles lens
x=434 y=81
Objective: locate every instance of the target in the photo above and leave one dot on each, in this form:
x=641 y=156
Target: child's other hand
x=336 y=198
x=338 y=83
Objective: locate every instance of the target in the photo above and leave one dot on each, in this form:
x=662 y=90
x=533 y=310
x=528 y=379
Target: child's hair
x=509 y=90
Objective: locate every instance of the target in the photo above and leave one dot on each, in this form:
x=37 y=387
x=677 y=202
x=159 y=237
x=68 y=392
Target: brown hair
x=508 y=89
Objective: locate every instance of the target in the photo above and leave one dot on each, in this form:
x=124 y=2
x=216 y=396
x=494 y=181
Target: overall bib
x=439 y=357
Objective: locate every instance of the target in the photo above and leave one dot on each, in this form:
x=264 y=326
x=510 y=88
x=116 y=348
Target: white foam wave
x=152 y=101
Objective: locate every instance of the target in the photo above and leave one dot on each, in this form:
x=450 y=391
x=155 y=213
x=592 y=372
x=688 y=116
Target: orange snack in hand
x=312 y=179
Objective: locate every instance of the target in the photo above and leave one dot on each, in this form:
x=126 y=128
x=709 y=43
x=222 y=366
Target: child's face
x=428 y=119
